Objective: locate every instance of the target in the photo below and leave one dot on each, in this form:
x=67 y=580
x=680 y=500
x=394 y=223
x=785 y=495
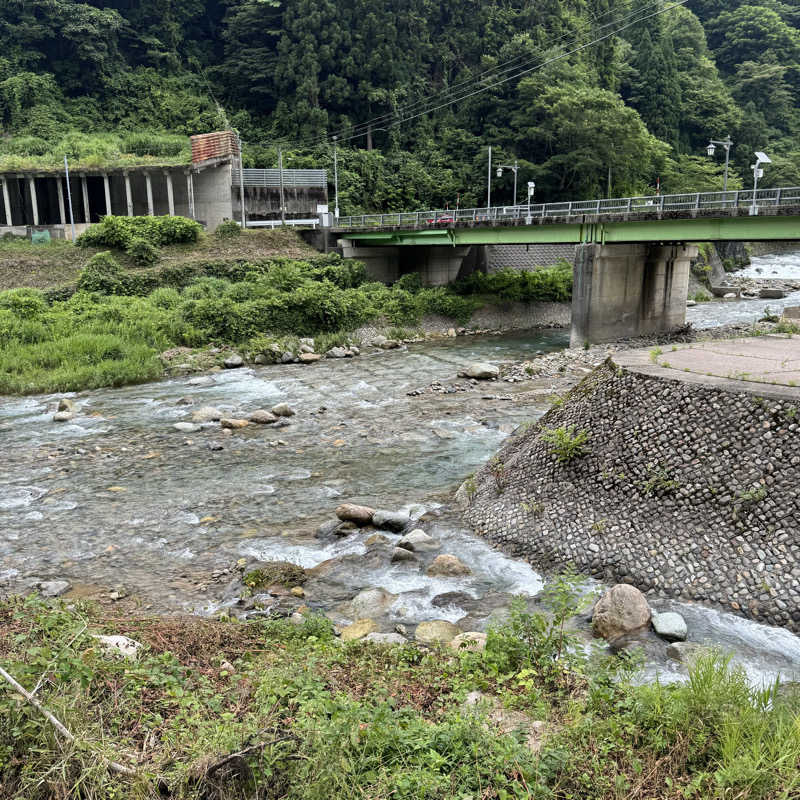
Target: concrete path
x=763 y=365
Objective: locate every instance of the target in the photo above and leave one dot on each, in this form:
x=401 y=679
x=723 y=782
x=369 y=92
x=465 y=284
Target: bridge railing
x=655 y=204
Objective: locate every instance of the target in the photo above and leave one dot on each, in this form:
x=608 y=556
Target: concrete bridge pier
x=438 y=265
x=623 y=290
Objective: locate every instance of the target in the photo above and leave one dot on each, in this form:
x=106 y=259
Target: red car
x=444 y=218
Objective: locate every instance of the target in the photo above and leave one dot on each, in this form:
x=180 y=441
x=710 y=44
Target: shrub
x=229 y=229
x=153 y=144
x=565 y=443
x=176 y=230
x=142 y=252
x=102 y=274
x=118 y=232
x=24 y=303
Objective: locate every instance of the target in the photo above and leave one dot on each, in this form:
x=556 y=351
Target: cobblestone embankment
x=686 y=491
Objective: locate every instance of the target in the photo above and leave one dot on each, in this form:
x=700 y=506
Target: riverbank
x=201 y=709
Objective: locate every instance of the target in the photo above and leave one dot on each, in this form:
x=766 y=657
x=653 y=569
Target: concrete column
x=382 y=263
x=438 y=265
x=7 y=202
x=85 y=191
x=149 y=185
x=190 y=192
x=624 y=290
x=62 y=215
x=170 y=194
x=34 y=203
x=128 y=194
x=107 y=189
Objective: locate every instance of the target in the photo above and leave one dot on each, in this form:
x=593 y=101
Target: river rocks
x=337 y=352
x=309 y=358
x=385 y=638
x=233 y=361
x=306 y=348
x=65 y=404
x=118 y=646
x=297 y=591
x=358 y=630
x=186 y=427
x=771 y=294
x=437 y=631
x=261 y=359
x=400 y=554
x=447 y=566
x=203 y=380
x=54 y=588
x=206 y=414
x=184 y=401
x=418 y=541
x=621 y=610
x=691 y=303
x=378 y=341
x=370 y=603
x=233 y=424
x=62 y=416
x=350 y=512
x=283 y=410
x=474 y=641
x=687 y=652
x=670 y=626
x=376 y=540
x=390 y=520
x=262 y=417
x=481 y=371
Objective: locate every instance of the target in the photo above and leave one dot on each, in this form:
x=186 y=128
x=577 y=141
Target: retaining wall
x=687 y=491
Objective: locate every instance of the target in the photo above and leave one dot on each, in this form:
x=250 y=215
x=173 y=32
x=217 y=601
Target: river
x=119 y=498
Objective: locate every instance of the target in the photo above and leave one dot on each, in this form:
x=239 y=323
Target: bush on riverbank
x=360 y=720
x=111 y=331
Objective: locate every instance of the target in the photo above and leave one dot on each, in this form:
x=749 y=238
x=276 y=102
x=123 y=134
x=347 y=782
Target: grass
x=109 y=328
x=271 y=710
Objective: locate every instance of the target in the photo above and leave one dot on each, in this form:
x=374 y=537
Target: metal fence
x=653 y=204
x=291 y=177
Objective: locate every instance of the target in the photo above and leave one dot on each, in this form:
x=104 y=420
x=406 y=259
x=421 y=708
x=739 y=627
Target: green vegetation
x=659 y=480
x=566 y=443
x=273 y=710
x=275 y=573
x=111 y=330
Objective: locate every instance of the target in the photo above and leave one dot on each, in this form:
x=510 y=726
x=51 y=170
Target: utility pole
x=489 y=181
x=335 y=181
x=69 y=200
x=280 y=170
x=241 y=180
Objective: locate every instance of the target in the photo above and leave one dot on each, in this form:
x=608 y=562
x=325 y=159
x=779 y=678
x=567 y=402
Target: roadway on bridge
x=762 y=365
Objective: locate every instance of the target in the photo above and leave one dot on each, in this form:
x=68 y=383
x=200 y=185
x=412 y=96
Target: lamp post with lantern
x=727 y=144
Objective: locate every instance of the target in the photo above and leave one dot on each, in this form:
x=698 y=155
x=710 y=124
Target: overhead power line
x=471 y=88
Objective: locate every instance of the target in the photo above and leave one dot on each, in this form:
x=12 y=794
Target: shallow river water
x=119 y=498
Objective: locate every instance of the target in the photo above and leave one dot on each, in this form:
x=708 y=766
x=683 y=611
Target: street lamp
x=531 y=188
x=727 y=144
x=761 y=158
x=514 y=168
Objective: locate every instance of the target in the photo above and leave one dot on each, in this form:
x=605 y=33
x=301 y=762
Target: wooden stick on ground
x=113 y=766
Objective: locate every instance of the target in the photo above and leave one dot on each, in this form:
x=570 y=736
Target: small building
x=207 y=189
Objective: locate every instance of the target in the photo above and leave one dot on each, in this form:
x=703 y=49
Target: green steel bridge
x=767 y=214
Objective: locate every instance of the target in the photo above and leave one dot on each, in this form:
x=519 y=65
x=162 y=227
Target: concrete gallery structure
x=207 y=189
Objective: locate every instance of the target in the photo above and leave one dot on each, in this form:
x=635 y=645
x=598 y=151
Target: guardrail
x=655 y=204
x=276 y=223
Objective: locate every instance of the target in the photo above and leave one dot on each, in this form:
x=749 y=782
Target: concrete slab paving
x=762 y=365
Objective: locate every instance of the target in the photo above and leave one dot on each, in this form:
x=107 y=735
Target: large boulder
x=283 y=410
x=233 y=361
x=358 y=630
x=481 y=371
x=436 y=631
x=206 y=414
x=670 y=626
x=474 y=641
x=621 y=610
x=262 y=417
x=417 y=540
x=370 y=603
x=448 y=566
x=390 y=520
x=350 y=512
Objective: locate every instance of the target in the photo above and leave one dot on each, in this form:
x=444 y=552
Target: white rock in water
x=62 y=416
x=119 y=646
x=234 y=361
x=186 y=427
x=691 y=303
x=482 y=371
x=53 y=588
x=670 y=626
x=418 y=540
x=206 y=414
x=283 y=410
x=622 y=609
x=390 y=520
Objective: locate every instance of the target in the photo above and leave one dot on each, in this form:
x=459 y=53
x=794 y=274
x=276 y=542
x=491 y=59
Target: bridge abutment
x=382 y=262
x=624 y=290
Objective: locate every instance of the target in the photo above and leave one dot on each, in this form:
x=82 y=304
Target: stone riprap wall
x=507 y=316
x=686 y=491
x=527 y=256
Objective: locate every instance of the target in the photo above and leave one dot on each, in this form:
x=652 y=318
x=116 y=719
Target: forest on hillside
x=576 y=90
